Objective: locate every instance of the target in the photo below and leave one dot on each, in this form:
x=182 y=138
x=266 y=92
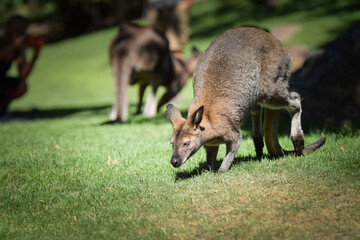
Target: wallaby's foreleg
x=122 y=72
x=211 y=153
x=151 y=103
x=142 y=88
x=231 y=149
x=296 y=134
x=256 y=131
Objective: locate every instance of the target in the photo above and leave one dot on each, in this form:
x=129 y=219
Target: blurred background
x=59 y=19
x=73 y=73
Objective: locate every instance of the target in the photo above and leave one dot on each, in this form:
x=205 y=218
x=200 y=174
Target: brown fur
x=141 y=55
x=243 y=70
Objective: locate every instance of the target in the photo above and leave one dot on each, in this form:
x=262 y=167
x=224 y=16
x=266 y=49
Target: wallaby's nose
x=176 y=163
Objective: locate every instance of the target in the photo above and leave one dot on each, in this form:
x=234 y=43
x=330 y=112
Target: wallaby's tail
x=312 y=147
x=271 y=123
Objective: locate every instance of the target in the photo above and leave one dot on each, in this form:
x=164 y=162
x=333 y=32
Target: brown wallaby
x=243 y=70
x=141 y=55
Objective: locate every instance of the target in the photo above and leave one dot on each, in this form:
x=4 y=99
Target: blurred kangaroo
x=243 y=70
x=141 y=55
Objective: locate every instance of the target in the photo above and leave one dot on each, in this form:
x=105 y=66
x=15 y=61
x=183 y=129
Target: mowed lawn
x=63 y=174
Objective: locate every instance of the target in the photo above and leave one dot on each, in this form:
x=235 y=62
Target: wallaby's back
x=240 y=68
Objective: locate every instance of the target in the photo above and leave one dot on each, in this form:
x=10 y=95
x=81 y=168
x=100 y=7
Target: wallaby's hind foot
x=298 y=142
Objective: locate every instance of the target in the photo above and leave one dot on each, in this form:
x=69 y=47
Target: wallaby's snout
x=175 y=161
x=179 y=156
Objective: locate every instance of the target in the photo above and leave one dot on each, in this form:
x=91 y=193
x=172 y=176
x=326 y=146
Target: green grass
x=65 y=175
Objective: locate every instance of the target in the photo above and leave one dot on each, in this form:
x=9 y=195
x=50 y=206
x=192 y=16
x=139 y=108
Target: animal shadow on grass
x=140 y=119
x=183 y=175
x=36 y=114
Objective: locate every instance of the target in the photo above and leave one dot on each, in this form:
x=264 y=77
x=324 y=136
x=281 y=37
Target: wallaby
x=242 y=70
x=141 y=55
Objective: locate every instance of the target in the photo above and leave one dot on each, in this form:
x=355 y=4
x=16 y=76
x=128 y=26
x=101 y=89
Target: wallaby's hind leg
x=271 y=123
x=256 y=131
x=142 y=88
x=211 y=153
x=151 y=103
x=122 y=74
x=296 y=134
x=231 y=149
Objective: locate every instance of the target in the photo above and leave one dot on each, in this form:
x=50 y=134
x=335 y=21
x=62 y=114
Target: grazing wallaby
x=243 y=70
x=141 y=55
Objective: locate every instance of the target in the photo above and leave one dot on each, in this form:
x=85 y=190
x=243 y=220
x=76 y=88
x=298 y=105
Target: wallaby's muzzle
x=176 y=162
x=178 y=159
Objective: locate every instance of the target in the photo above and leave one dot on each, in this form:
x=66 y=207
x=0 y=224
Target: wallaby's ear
x=174 y=115
x=197 y=117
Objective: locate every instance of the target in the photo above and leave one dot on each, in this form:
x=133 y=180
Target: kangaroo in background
x=243 y=70
x=141 y=55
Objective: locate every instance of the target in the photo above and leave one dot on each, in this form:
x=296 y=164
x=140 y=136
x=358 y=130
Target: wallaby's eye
x=186 y=144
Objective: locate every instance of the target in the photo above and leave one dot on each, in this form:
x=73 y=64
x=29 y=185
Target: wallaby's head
x=187 y=135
